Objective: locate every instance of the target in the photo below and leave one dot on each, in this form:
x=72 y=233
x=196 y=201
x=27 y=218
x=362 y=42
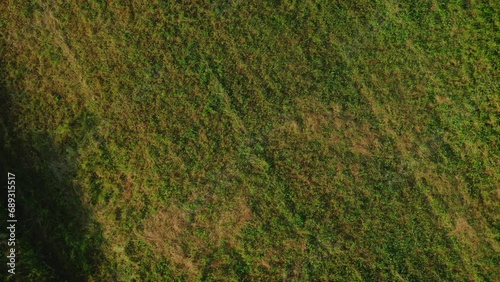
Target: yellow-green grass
x=254 y=140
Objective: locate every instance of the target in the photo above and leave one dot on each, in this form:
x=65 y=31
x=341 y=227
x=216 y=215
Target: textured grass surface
x=254 y=140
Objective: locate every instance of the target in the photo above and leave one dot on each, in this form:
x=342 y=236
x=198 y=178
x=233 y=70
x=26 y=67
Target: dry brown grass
x=169 y=229
x=232 y=221
x=468 y=235
x=461 y=226
x=165 y=231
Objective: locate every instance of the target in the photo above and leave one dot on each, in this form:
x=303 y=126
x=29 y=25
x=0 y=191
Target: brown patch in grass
x=465 y=232
x=316 y=116
x=170 y=228
x=294 y=127
x=355 y=170
x=338 y=123
x=128 y=184
x=361 y=146
x=443 y=100
x=363 y=140
x=313 y=122
x=433 y=7
x=461 y=225
x=405 y=143
x=49 y=22
x=232 y=221
x=290 y=127
x=166 y=231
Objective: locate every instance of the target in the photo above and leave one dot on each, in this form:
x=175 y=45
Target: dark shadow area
x=57 y=238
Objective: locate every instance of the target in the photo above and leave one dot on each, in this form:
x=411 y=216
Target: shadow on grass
x=57 y=238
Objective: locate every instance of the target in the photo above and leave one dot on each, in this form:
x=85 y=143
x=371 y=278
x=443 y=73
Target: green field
x=252 y=140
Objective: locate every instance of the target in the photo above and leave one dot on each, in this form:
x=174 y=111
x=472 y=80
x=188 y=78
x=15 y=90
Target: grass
x=254 y=140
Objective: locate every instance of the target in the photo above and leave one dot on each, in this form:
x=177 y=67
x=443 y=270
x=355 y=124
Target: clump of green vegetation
x=254 y=140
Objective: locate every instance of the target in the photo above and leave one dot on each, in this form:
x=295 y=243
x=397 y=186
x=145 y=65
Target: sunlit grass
x=250 y=140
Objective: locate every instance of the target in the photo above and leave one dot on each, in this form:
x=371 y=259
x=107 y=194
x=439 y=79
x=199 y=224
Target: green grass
x=254 y=140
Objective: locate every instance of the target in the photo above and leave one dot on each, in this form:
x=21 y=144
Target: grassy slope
x=249 y=140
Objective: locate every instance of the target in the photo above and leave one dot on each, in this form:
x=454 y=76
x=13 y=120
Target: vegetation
x=253 y=140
